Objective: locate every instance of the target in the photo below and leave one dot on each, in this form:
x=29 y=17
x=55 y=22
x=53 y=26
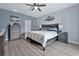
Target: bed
x=43 y=36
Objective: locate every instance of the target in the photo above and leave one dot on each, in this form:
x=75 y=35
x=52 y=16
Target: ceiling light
x=36 y=7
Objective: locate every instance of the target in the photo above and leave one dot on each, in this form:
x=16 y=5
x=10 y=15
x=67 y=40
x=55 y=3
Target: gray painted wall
x=70 y=18
x=5 y=17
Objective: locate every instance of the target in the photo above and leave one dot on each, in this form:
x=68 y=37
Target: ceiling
x=23 y=9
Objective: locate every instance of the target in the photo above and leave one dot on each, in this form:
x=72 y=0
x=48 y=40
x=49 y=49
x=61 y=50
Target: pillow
x=44 y=29
x=52 y=29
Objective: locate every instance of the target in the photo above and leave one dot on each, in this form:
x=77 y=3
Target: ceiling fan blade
x=29 y=5
x=42 y=5
x=39 y=9
x=33 y=9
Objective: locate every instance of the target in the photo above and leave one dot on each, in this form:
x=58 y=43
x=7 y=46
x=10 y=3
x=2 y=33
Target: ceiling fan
x=36 y=6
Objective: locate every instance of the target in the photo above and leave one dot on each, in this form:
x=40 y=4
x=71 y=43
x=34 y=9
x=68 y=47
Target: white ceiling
x=22 y=8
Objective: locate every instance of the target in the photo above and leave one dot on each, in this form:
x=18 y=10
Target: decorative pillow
x=52 y=29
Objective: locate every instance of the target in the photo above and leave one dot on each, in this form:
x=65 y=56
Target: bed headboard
x=47 y=26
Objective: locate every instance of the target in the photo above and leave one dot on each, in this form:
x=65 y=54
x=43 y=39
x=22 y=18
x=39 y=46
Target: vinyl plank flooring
x=69 y=49
x=23 y=48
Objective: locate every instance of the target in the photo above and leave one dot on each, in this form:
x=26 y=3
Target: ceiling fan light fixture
x=36 y=7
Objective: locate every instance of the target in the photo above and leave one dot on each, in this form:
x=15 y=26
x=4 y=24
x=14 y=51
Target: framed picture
x=50 y=18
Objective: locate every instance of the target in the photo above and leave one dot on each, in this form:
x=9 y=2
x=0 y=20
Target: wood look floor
x=24 y=48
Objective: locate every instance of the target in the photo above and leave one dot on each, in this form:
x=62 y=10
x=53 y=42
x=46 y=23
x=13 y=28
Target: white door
x=27 y=26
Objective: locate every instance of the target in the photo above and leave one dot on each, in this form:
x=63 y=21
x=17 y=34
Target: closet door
x=27 y=27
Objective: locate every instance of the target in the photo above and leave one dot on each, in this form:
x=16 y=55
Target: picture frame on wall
x=50 y=18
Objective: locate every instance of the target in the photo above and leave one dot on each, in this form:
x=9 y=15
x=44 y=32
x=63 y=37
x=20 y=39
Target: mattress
x=47 y=34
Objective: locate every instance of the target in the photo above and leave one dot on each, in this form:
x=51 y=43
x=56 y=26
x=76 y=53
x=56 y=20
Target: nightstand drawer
x=63 y=37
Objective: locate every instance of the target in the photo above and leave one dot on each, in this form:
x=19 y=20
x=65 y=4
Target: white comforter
x=41 y=36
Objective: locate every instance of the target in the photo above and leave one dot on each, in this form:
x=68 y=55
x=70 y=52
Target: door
x=27 y=26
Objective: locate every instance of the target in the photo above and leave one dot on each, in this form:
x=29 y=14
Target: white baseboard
x=74 y=42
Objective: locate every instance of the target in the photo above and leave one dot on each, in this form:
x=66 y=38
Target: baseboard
x=77 y=43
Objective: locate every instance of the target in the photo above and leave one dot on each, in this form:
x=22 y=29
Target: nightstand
x=63 y=37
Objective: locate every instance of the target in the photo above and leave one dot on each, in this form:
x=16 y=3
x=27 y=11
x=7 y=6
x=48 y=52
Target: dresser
x=2 y=43
x=14 y=31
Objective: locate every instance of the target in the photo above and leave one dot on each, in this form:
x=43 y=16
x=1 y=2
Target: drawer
x=63 y=37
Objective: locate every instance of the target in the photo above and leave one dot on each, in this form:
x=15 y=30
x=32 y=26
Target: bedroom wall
x=5 y=17
x=69 y=17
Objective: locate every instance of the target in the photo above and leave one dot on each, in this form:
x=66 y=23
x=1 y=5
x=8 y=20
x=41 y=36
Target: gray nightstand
x=63 y=37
